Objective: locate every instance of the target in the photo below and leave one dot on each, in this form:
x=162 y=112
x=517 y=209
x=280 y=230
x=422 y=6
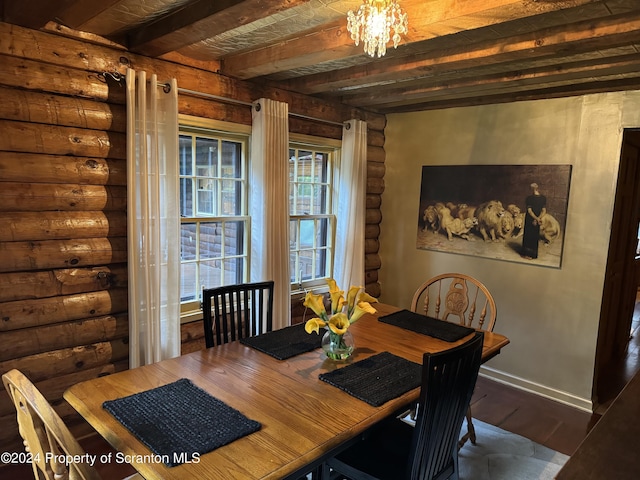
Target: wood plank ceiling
x=456 y=53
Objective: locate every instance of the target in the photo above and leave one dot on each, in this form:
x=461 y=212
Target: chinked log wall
x=63 y=248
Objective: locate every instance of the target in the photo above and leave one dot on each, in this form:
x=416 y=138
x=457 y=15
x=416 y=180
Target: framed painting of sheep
x=505 y=212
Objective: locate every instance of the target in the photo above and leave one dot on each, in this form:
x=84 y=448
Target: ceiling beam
x=330 y=43
x=535 y=94
x=200 y=20
x=568 y=39
x=426 y=20
x=492 y=85
x=602 y=67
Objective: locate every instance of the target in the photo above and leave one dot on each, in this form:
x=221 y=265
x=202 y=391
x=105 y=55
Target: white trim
x=210 y=124
x=538 y=389
x=319 y=142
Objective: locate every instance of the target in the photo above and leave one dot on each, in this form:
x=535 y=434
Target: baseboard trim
x=522 y=384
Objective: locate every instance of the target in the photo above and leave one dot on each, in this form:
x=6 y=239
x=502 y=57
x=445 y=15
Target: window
x=213 y=210
x=311 y=216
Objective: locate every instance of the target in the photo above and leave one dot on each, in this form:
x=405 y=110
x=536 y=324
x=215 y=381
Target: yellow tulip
x=361 y=309
x=339 y=323
x=314 y=325
x=316 y=303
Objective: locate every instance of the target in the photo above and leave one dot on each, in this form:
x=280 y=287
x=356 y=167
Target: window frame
x=333 y=148
x=191 y=310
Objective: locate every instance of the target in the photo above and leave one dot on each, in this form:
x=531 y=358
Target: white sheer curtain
x=269 y=186
x=153 y=219
x=351 y=193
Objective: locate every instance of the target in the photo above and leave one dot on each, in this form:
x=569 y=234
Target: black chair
x=239 y=311
x=462 y=296
x=395 y=450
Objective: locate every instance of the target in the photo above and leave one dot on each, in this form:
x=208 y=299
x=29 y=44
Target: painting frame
x=481 y=210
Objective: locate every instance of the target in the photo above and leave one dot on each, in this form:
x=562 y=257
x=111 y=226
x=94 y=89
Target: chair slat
x=232 y=312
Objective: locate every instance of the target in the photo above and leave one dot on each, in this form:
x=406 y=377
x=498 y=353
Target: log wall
x=63 y=245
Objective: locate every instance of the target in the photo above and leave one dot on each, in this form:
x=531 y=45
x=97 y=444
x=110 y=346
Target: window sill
x=190 y=316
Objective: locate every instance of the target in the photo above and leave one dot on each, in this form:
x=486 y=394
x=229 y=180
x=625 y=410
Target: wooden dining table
x=302 y=418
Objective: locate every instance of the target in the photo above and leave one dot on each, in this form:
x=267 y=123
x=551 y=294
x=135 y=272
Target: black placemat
x=285 y=342
x=179 y=420
x=376 y=379
x=443 y=330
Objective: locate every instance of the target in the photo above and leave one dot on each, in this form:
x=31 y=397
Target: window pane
x=322 y=232
x=293 y=235
x=306 y=265
x=319 y=199
x=189 y=289
x=231 y=159
x=232 y=271
x=231 y=197
x=188 y=241
x=210 y=273
x=206 y=157
x=321 y=168
x=234 y=238
x=210 y=240
x=293 y=257
x=321 y=263
x=186 y=197
x=305 y=173
x=306 y=233
x=206 y=199
x=186 y=160
x=303 y=202
x=292 y=165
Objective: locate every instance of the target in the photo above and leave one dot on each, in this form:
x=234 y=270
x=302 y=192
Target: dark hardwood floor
x=621 y=372
x=547 y=422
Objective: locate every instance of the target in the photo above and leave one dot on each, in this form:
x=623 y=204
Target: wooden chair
x=44 y=433
x=429 y=451
x=237 y=311
x=462 y=296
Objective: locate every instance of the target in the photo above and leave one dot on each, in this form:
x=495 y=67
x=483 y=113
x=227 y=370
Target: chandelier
x=373 y=22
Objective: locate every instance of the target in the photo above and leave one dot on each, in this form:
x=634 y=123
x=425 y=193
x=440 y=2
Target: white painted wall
x=550 y=315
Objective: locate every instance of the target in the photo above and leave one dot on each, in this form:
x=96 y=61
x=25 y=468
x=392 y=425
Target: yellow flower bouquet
x=337 y=341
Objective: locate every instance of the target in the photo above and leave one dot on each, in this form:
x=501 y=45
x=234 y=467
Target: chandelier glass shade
x=373 y=22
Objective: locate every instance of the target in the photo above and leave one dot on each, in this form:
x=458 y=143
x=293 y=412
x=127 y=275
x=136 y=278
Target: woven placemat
x=284 y=343
x=179 y=420
x=443 y=330
x=376 y=379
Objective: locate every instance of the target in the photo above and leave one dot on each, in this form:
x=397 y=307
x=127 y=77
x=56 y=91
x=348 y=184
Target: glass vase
x=338 y=347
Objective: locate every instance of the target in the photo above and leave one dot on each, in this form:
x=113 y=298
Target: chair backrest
x=237 y=311
x=45 y=435
x=448 y=380
x=461 y=295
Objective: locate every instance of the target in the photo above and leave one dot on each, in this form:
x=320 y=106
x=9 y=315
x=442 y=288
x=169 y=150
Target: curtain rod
x=240 y=102
x=166 y=87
